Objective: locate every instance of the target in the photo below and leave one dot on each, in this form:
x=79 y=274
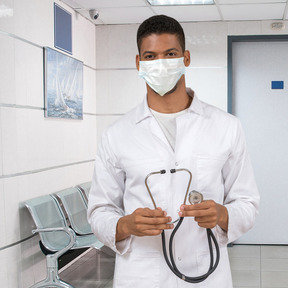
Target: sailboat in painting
x=64 y=82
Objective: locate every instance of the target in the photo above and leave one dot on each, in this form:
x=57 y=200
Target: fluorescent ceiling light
x=180 y=2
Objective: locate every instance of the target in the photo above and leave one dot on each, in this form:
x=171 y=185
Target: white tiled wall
x=28 y=74
x=209 y=84
x=119 y=88
x=33 y=21
x=29 y=142
x=38 y=155
x=89 y=88
x=7 y=48
x=116 y=46
x=2 y=216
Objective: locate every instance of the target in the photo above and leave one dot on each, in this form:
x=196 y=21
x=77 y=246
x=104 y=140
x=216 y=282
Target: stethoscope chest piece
x=195 y=197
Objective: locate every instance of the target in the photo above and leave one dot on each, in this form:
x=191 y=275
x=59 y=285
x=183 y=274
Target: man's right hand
x=143 y=222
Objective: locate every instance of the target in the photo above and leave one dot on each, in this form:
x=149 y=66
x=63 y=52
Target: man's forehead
x=160 y=36
x=158 y=41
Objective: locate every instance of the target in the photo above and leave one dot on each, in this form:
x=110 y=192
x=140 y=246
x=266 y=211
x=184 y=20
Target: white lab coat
x=210 y=143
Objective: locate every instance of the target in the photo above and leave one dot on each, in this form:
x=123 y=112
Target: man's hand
x=143 y=222
x=207 y=214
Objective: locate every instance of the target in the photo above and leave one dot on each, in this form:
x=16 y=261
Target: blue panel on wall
x=277 y=84
x=62 y=29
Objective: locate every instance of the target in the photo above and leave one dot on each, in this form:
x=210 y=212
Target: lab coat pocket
x=203 y=261
x=137 y=270
x=221 y=277
x=209 y=172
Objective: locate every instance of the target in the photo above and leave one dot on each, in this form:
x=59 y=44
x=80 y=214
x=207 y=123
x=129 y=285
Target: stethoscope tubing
x=163 y=172
x=171 y=263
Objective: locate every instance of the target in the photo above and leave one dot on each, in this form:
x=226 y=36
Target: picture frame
x=63 y=82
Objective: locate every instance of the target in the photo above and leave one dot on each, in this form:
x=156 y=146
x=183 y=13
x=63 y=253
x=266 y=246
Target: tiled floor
x=252 y=266
x=259 y=266
x=93 y=270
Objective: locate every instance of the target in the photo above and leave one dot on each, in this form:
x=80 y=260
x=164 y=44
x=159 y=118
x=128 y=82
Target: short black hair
x=160 y=24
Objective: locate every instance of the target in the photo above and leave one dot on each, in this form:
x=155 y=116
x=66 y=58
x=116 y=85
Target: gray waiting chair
x=74 y=204
x=56 y=237
x=85 y=189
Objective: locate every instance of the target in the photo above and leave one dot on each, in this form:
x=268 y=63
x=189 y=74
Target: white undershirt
x=167 y=122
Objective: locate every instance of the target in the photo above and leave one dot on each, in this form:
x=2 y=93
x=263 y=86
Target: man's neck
x=174 y=102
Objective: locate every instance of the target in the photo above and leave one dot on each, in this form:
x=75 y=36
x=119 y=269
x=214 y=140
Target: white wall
x=207 y=74
x=119 y=88
x=37 y=155
x=33 y=147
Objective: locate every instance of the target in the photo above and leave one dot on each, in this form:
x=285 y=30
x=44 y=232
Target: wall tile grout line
x=17 y=242
x=36 y=45
x=21 y=39
x=260 y=266
x=112 y=114
x=20 y=106
x=44 y=169
x=115 y=69
x=38 y=108
x=134 y=68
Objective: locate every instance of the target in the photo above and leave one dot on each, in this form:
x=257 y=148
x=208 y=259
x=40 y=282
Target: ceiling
x=136 y=11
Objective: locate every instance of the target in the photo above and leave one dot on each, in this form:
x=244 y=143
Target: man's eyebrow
x=171 y=49
x=166 y=51
x=148 y=52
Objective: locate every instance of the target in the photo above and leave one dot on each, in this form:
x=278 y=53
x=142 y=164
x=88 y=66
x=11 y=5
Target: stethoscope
x=194 y=197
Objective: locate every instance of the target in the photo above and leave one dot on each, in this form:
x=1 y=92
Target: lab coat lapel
x=145 y=119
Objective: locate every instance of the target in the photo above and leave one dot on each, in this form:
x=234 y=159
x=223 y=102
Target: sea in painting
x=64 y=86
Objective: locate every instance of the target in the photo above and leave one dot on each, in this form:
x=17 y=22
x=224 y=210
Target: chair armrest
x=67 y=230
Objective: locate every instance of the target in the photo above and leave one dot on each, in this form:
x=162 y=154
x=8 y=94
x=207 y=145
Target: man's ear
x=137 y=62
x=186 y=58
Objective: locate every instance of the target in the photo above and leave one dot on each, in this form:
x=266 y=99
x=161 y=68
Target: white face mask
x=162 y=75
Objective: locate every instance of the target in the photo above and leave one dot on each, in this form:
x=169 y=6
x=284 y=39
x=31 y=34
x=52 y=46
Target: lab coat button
x=179 y=258
x=176 y=163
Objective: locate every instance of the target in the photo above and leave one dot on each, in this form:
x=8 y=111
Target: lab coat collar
x=143 y=111
x=196 y=105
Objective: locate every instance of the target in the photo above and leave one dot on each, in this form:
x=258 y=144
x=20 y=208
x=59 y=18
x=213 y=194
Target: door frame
x=244 y=38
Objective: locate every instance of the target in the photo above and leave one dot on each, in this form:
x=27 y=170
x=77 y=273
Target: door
x=260 y=100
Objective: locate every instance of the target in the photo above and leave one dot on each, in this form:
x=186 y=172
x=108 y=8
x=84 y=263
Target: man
x=171 y=129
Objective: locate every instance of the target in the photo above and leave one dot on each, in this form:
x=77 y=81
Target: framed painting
x=63 y=85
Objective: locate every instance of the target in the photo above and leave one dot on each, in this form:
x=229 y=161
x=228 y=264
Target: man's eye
x=149 y=57
x=171 y=54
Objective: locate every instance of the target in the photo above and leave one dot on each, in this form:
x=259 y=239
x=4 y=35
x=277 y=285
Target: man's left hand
x=207 y=214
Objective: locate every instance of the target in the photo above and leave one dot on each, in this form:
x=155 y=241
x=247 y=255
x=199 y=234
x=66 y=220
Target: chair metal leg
x=52 y=279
